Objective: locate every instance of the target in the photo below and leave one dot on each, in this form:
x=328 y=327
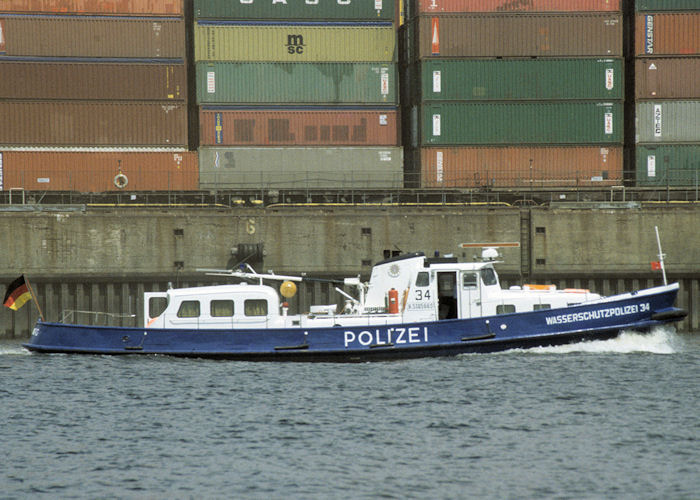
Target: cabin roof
x=463 y=266
x=443 y=262
x=405 y=256
x=230 y=289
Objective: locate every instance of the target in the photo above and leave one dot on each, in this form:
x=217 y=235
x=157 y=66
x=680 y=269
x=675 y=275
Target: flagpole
x=661 y=255
x=31 y=292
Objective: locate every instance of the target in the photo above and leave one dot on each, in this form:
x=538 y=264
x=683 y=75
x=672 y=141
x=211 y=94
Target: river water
x=614 y=419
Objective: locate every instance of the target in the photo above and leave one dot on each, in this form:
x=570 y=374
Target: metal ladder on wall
x=525 y=246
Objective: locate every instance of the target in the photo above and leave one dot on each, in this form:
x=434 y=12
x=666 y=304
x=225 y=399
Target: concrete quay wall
x=85 y=258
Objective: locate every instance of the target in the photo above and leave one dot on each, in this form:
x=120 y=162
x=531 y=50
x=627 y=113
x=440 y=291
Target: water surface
x=612 y=419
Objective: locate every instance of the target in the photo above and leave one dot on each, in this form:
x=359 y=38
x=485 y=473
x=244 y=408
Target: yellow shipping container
x=294 y=42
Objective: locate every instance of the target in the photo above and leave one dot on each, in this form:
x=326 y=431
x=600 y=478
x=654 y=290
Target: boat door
x=447 y=294
x=469 y=294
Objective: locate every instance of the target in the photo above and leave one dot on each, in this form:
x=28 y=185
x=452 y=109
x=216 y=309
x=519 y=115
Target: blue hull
x=638 y=311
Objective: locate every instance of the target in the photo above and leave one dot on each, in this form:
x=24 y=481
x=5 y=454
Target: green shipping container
x=290 y=42
x=556 y=122
x=299 y=83
x=300 y=168
x=521 y=79
x=668 y=165
x=336 y=10
x=663 y=5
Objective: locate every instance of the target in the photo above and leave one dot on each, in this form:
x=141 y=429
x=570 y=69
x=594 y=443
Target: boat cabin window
x=156 y=306
x=221 y=308
x=423 y=279
x=537 y=307
x=446 y=283
x=488 y=276
x=188 y=309
x=505 y=308
x=469 y=281
x=255 y=307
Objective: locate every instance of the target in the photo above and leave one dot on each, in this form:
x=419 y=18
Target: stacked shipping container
x=667 y=92
x=99 y=171
x=80 y=74
x=108 y=71
x=297 y=95
x=304 y=94
x=509 y=93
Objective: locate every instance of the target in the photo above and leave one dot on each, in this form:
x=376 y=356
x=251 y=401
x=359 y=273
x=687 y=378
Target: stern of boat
x=70 y=338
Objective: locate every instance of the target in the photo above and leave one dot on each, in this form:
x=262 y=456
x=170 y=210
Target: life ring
x=120 y=180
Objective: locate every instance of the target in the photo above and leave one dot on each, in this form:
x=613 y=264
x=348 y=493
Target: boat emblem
x=394 y=270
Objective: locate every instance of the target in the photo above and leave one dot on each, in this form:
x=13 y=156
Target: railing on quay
x=480 y=189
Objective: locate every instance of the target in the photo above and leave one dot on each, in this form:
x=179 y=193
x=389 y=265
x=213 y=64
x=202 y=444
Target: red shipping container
x=667 y=78
x=327 y=127
x=92 y=80
x=96 y=172
x=667 y=34
x=93 y=123
x=115 y=7
x=519 y=35
x=437 y=6
x=90 y=36
x=518 y=166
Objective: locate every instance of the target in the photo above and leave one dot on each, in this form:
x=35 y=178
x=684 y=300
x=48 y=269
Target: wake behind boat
x=413 y=306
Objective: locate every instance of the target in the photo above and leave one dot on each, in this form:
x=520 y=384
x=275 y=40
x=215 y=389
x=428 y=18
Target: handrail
x=68 y=313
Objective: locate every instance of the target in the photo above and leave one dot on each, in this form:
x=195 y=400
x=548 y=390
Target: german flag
x=17 y=294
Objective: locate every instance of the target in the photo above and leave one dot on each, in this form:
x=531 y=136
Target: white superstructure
x=406 y=289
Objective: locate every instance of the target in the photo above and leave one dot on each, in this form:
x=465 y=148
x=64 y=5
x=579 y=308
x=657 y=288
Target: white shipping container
x=668 y=121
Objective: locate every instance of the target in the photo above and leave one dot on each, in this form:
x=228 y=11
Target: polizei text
x=387 y=336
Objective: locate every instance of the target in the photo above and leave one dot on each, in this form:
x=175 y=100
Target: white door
x=469 y=294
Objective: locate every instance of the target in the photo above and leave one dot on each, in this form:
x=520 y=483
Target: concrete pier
x=102 y=259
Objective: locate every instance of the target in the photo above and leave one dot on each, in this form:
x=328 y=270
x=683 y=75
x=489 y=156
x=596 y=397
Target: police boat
x=413 y=306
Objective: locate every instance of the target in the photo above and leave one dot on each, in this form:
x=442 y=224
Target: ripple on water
x=595 y=420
